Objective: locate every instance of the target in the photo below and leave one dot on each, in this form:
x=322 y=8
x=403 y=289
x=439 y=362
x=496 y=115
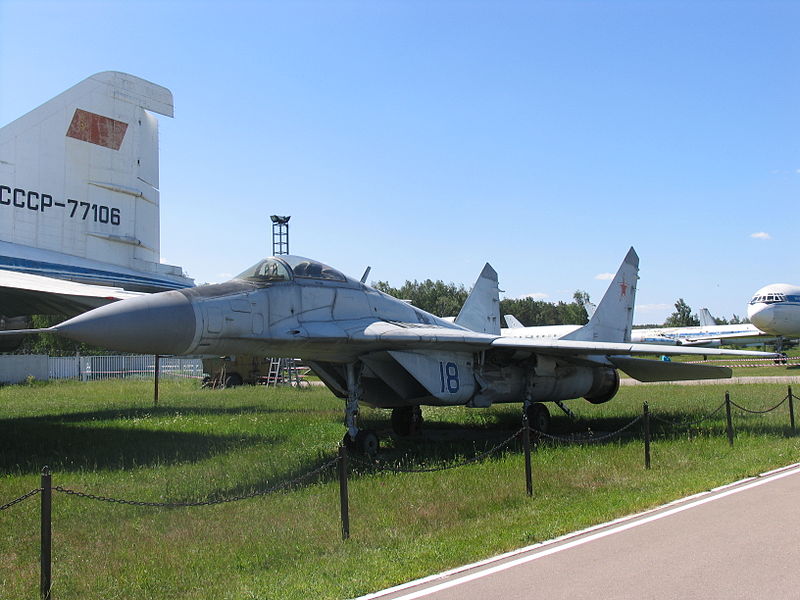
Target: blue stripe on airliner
x=98 y=276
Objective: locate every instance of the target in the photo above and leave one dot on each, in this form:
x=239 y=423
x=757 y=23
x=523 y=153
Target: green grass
x=107 y=438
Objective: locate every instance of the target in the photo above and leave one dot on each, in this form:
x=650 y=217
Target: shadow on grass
x=443 y=443
x=64 y=444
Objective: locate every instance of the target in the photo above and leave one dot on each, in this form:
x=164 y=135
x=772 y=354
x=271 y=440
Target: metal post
x=791 y=410
x=47 y=534
x=646 y=425
x=345 y=509
x=728 y=416
x=155 y=380
x=526 y=444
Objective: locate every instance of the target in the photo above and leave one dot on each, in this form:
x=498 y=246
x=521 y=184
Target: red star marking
x=623 y=288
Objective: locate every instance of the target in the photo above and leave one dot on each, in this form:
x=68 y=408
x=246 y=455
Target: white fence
x=109 y=367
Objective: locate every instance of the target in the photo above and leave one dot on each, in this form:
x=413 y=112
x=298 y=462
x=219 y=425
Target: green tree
x=446 y=299
x=682 y=317
x=50 y=344
x=436 y=297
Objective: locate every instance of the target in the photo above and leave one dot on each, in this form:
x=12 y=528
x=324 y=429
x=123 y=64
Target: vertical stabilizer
x=613 y=318
x=481 y=311
x=79 y=177
x=706 y=318
x=513 y=322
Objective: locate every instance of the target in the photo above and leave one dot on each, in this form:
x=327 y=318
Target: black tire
x=233 y=380
x=406 y=420
x=367 y=442
x=539 y=417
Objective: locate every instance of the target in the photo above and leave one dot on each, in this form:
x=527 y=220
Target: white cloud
x=652 y=307
x=534 y=296
x=761 y=235
x=604 y=276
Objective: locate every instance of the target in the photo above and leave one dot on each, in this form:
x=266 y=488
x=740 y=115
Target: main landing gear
x=538 y=416
x=356 y=440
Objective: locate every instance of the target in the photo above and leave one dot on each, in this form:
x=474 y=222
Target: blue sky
x=426 y=138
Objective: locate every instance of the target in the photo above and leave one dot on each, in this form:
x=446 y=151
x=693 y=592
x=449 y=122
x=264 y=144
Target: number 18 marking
x=448 y=372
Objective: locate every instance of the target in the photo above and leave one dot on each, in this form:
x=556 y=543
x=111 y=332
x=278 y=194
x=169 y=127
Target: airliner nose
x=762 y=317
x=162 y=323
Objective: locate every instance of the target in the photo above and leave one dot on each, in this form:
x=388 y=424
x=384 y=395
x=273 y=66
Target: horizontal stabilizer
x=25 y=294
x=18 y=332
x=643 y=369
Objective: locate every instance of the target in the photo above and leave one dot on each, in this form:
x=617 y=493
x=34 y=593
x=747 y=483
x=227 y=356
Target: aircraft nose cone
x=162 y=323
x=762 y=317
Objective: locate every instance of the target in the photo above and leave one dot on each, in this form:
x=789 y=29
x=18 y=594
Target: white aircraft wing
x=569 y=347
x=25 y=294
x=721 y=337
x=619 y=355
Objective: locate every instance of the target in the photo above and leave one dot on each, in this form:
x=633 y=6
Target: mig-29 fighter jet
x=369 y=347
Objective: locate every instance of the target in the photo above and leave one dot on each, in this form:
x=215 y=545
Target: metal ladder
x=283 y=371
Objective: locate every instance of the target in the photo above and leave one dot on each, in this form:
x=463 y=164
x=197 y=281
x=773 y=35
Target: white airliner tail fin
x=512 y=322
x=79 y=176
x=706 y=318
x=612 y=320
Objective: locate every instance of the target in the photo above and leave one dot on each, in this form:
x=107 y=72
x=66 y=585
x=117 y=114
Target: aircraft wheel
x=539 y=417
x=406 y=420
x=233 y=380
x=367 y=442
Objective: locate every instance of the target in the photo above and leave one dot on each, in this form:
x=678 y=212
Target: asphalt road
x=740 y=541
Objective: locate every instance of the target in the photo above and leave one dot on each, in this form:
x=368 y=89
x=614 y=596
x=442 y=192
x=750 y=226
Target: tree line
x=446 y=299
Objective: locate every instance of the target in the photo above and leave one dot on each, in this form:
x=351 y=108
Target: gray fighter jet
x=369 y=347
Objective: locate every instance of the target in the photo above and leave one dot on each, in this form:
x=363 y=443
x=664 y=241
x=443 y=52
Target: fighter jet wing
x=25 y=294
x=560 y=347
x=619 y=355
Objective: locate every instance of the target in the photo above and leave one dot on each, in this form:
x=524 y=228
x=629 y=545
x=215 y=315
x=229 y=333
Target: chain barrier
x=22 y=498
x=760 y=412
x=592 y=440
x=483 y=455
x=690 y=423
x=275 y=488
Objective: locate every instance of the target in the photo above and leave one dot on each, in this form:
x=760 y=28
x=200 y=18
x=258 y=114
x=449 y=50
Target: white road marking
x=553 y=546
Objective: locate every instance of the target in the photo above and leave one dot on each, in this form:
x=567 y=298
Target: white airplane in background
x=775 y=309
x=707 y=334
x=79 y=200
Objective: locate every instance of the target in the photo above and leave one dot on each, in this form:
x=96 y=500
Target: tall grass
x=107 y=438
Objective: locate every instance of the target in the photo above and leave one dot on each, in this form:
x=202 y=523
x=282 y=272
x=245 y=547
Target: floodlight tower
x=280 y=235
x=282 y=371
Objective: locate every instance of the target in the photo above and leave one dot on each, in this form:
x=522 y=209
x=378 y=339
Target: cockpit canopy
x=287 y=267
x=773 y=298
